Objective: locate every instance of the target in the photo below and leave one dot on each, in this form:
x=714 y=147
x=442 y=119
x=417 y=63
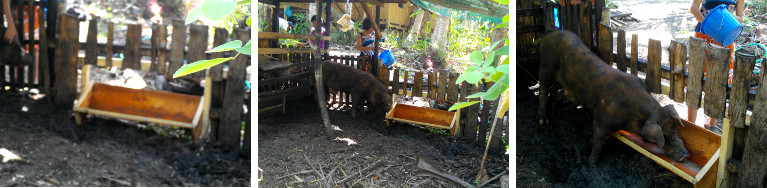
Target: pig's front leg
x=356 y=103
x=597 y=141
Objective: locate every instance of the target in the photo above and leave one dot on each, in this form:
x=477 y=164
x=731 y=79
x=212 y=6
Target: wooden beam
x=287 y=50
x=274 y=35
x=375 y=24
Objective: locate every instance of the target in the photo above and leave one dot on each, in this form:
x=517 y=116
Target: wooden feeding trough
x=700 y=168
x=163 y=108
x=423 y=116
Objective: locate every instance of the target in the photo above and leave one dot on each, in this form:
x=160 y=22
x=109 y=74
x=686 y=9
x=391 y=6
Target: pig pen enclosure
x=739 y=158
x=295 y=150
x=42 y=145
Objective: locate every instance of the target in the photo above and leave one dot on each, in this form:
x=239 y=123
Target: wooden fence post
x=716 y=81
x=621 y=59
x=653 y=66
x=736 y=112
x=677 y=72
x=91 y=48
x=441 y=88
x=634 y=54
x=452 y=88
x=695 y=72
x=44 y=63
x=133 y=47
x=66 y=63
x=229 y=130
x=484 y=118
x=110 y=40
x=395 y=82
x=178 y=37
x=606 y=44
x=219 y=38
x=751 y=171
x=470 y=130
x=197 y=46
x=417 y=84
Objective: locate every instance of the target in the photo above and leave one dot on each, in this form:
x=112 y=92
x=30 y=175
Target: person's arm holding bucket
x=10 y=32
x=695 y=10
x=739 y=10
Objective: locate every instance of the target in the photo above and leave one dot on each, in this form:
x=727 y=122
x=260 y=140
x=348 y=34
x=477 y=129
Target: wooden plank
x=606 y=44
x=110 y=41
x=452 y=88
x=716 y=81
x=178 y=37
x=725 y=149
x=132 y=47
x=752 y=167
x=622 y=64
x=405 y=89
x=653 y=66
x=418 y=81
x=484 y=117
x=44 y=63
x=741 y=81
x=432 y=85
x=287 y=50
x=153 y=41
x=695 y=72
x=229 y=129
x=162 y=52
x=678 y=69
x=442 y=85
x=589 y=31
x=219 y=38
x=274 y=35
x=576 y=20
x=395 y=84
x=634 y=54
x=197 y=46
x=470 y=130
x=584 y=28
x=66 y=66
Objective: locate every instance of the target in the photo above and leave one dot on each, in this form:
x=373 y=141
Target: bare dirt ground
x=104 y=152
x=555 y=155
x=294 y=152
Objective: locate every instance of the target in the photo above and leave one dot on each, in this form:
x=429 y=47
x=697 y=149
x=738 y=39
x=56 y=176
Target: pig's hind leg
x=546 y=85
x=601 y=132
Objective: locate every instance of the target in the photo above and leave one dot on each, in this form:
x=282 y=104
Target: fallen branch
x=424 y=168
x=370 y=174
x=363 y=170
x=493 y=179
x=296 y=173
x=319 y=172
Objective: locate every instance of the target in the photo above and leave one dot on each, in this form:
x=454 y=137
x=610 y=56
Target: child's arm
x=11 y=31
x=695 y=10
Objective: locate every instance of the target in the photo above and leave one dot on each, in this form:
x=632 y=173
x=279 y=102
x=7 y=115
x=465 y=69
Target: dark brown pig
x=13 y=53
x=361 y=85
x=618 y=100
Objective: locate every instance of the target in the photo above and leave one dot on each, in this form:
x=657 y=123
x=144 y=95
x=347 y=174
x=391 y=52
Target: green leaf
x=460 y=79
x=217 y=9
x=503 y=68
x=502 y=51
x=490 y=58
x=476 y=95
x=194 y=15
x=476 y=57
x=506 y=18
x=496 y=76
x=473 y=77
x=505 y=62
x=501 y=25
x=471 y=68
x=244 y=49
x=462 y=105
x=247 y=21
x=504 y=79
x=488 y=70
x=231 y=45
x=243 y=2
x=198 y=66
x=494 y=91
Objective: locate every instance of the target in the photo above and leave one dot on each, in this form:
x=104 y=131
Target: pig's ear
x=653 y=133
x=670 y=114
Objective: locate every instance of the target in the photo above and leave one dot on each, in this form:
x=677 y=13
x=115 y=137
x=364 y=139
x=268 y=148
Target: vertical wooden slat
x=589 y=31
x=621 y=60
x=395 y=84
x=606 y=44
x=695 y=72
x=653 y=66
x=484 y=118
x=452 y=88
x=110 y=40
x=751 y=169
x=162 y=51
x=197 y=46
x=229 y=131
x=91 y=48
x=472 y=112
x=153 y=56
x=442 y=85
x=178 y=37
x=404 y=83
x=384 y=76
x=133 y=47
x=677 y=69
x=634 y=54
x=417 y=82
x=741 y=80
x=584 y=28
x=45 y=74
x=716 y=81
x=66 y=68
x=576 y=20
x=671 y=60
x=219 y=38
x=495 y=139
x=31 y=38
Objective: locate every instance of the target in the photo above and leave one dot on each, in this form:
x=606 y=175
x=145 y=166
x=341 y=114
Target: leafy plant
x=219 y=10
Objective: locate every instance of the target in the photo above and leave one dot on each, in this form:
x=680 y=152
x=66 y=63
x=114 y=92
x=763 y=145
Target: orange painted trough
x=163 y=108
x=700 y=168
x=424 y=116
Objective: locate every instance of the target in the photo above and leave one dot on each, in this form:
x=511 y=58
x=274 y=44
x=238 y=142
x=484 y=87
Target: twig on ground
x=360 y=172
x=319 y=172
x=296 y=173
x=370 y=174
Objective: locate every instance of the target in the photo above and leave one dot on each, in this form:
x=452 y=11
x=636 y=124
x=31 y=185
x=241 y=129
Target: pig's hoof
x=543 y=121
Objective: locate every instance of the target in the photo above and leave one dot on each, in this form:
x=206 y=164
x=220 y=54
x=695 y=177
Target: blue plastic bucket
x=387 y=57
x=720 y=25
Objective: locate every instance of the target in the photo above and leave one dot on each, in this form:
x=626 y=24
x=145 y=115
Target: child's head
x=314 y=21
x=366 y=24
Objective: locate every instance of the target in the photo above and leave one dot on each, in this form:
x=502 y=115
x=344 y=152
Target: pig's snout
x=676 y=149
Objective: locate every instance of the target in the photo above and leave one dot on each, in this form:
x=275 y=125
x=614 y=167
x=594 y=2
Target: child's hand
x=9 y=35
